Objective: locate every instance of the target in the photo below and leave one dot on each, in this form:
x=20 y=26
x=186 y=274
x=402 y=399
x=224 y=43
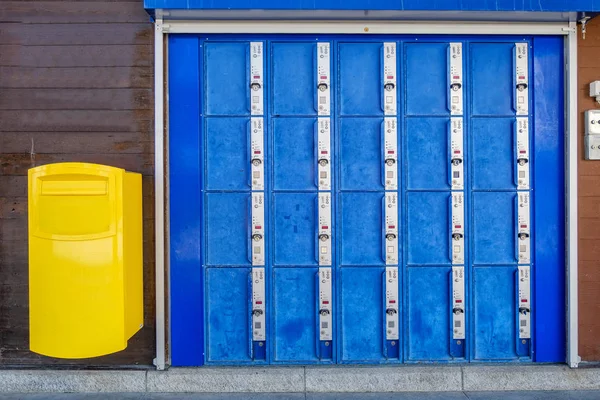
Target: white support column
x=572 y=133
x=159 y=194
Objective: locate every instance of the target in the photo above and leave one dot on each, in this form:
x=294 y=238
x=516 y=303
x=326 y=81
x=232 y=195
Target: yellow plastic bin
x=85 y=259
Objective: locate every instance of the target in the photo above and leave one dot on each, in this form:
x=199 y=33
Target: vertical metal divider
x=403 y=201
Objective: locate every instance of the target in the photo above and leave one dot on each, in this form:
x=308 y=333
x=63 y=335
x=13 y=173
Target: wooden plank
x=589 y=228
x=47 y=12
x=77 y=142
x=76 y=99
x=588 y=186
x=76 y=121
x=83 y=77
x=77 y=56
x=13 y=186
x=76 y=34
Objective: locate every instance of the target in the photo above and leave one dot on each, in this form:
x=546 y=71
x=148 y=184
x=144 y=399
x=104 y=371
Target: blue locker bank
x=363 y=197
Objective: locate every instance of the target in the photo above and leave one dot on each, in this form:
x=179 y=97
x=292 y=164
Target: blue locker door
x=226 y=78
x=427 y=153
x=428 y=230
x=362 y=313
x=360 y=89
x=295 y=235
x=362 y=228
x=494 y=228
x=426 y=79
x=295 y=320
x=293 y=78
x=294 y=154
x=228 y=229
x=429 y=300
x=228 y=308
x=492 y=87
x=494 y=144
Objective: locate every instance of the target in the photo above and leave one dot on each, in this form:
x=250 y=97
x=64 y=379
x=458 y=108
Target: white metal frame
x=568 y=29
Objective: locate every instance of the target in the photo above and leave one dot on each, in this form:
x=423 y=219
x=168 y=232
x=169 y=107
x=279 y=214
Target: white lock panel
x=389 y=79
x=324 y=153
x=457 y=154
x=257 y=151
x=325 y=305
x=324 y=236
x=258 y=229
x=458 y=228
x=256 y=78
x=592 y=122
x=391 y=153
x=392 y=308
x=323 y=79
x=522 y=153
x=456 y=79
x=258 y=305
x=522 y=78
x=458 y=302
x=524 y=228
x=524 y=302
x=391 y=228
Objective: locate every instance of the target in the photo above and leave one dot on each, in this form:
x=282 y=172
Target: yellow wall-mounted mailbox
x=85 y=259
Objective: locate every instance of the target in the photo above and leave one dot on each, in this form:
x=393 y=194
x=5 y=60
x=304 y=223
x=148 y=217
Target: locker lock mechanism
x=524 y=310
x=323 y=162
x=390 y=161
x=455 y=87
x=457 y=311
x=390 y=236
x=457 y=236
x=391 y=311
x=324 y=312
x=257 y=312
x=322 y=87
x=389 y=87
x=522 y=161
x=256 y=162
x=456 y=161
x=257 y=237
x=323 y=237
x=521 y=87
x=523 y=235
x=255 y=86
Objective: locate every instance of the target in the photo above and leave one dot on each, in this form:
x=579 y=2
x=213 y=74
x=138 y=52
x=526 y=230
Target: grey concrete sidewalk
x=519 y=395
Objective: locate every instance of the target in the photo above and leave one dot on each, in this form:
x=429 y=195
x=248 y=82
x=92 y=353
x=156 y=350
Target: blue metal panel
x=227 y=153
x=228 y=222
x=493 y=141
x=295 y=317
x=492 y=82
x=429 y=314
x=294 y=78
x=361 y=152
x=360 y=88
x=294 y=154
x=427 y=76
x=226 y=77
x=427 y=149
x=428 y=230
x=362 y=313
x=362 y=228
x=185 y=188
x=494 y=301
x=494 y=228
x=228 y=302
x=409 y=5
x=295 y=222
x=549 y=211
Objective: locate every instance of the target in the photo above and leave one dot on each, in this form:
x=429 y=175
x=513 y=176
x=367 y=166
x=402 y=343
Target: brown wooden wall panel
x=76 y=82
x=589 y=204
x=76 y=78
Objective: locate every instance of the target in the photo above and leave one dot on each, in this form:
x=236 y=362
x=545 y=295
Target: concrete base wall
x=305 y=379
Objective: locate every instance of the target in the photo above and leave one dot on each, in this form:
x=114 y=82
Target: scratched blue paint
x=408 y=5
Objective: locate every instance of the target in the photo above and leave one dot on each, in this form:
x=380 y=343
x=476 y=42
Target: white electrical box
x=592 y=134
x=595 y=89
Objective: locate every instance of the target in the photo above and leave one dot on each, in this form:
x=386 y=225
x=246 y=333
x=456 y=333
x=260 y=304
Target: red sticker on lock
x=258 y=227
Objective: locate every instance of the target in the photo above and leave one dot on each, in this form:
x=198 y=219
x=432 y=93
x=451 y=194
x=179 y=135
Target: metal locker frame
x=566 y=30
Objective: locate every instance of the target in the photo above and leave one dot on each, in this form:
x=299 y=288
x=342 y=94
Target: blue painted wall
x=401 y=5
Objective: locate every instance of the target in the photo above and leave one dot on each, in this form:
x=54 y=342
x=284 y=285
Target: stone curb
x=340 y=379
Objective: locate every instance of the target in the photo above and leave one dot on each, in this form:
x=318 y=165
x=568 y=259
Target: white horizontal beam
x=366 y=27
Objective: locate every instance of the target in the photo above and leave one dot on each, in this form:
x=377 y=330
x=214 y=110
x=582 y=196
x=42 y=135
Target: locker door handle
x=249 y=314
x=384 y=315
